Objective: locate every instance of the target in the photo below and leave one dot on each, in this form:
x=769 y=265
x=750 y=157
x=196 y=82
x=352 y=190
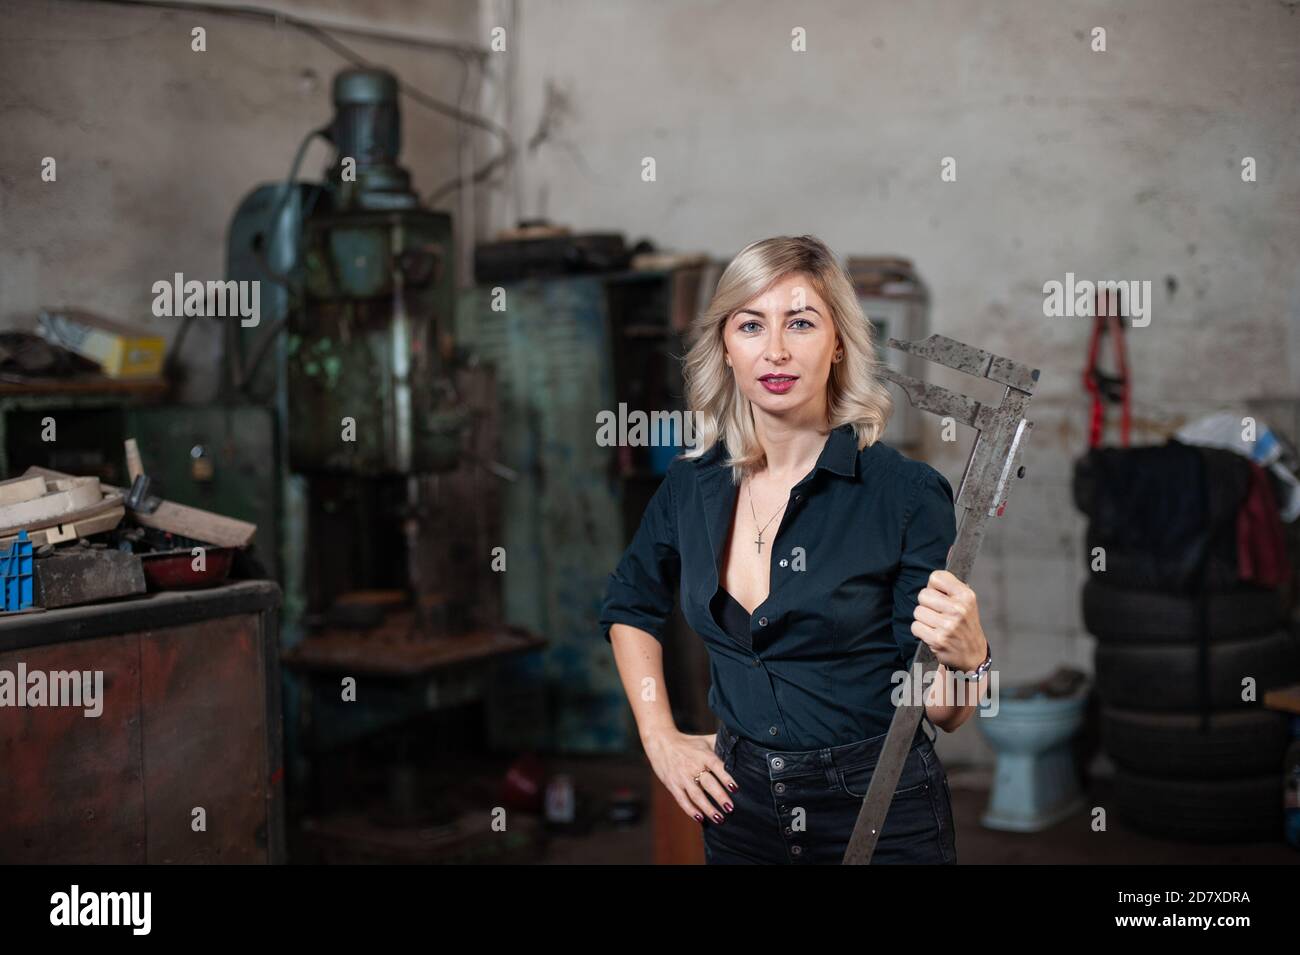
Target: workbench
x=183 y=761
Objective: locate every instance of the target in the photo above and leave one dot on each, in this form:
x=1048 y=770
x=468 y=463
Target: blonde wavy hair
x=855 y=395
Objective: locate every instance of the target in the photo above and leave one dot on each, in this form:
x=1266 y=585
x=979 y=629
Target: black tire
x=1246 y=809
x=1163 y=677
x=1147 y=616
x=1252 y=742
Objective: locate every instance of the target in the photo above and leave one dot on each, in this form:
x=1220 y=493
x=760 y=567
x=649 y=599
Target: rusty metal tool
x=1001 y=434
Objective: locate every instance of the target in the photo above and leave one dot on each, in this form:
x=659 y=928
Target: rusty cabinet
x=174 y=751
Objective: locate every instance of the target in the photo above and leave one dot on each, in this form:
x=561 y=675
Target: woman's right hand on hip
x=677 y=758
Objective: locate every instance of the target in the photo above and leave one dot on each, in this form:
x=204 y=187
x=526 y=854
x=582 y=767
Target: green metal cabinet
x=551 y=347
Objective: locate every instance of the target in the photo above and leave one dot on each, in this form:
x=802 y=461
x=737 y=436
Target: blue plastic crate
x=16 y=575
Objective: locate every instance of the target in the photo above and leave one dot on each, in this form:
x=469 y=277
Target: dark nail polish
x=698 y=817
x=717 y=816
x=727 y=806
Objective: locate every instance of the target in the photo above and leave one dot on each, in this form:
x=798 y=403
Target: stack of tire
x=1194 y=760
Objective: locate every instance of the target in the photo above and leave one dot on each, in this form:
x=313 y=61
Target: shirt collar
x=840 y=454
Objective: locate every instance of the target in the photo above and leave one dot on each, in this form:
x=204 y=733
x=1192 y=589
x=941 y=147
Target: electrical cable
x=323 y=36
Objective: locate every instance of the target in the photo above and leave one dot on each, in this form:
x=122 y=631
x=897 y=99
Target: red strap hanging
x=1103 y=386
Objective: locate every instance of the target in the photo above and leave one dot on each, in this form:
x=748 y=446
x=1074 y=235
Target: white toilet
x=1035 y=785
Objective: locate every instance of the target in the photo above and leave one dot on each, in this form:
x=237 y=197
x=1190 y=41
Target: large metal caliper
x=1001 y=435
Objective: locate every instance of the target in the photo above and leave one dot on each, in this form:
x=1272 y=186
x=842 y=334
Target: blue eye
x=743 y=324
x=804 y=320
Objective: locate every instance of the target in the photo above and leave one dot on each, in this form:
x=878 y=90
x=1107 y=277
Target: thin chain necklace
x=750 y=492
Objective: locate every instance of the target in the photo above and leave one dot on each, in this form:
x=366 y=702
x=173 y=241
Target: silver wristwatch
x=980 y=670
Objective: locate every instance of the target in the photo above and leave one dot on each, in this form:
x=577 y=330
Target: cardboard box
x=122 y=352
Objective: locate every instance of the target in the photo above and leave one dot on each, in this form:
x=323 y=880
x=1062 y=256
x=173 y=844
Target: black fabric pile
x=1165 y=515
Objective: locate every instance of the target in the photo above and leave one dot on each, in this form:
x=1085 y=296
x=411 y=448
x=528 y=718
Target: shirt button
x=798 y=498
x=755 y=661
x=780 y=788
x=789 y=831
x=784 y=562
x=773 y=731
x=795 y=850
x=762 y=621
x=777 y=762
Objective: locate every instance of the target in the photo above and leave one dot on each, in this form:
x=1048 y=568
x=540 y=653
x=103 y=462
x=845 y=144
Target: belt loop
x=728 y=739
x=828 y=764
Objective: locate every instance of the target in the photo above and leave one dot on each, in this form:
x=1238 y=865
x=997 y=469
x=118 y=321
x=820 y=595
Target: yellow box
x=122 y=352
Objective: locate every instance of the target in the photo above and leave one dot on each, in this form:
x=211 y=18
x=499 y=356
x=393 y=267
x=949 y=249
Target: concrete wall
x=1115 y=165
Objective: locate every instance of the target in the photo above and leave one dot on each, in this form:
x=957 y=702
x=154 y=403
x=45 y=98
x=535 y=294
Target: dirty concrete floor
x=1070 y=842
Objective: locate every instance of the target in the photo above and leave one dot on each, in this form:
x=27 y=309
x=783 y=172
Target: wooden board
x=97 y=523
x=19 y=489
x=180 y=519
x=62 y=499
x=86 y=384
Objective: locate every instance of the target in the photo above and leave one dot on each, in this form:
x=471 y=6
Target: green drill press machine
x=375 y=411
x=358 y=356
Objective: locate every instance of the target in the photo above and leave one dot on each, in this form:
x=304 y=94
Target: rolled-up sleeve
x=928 y=531
x=641 y=589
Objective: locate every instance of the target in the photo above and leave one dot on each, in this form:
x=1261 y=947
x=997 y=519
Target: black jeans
x=800 y=807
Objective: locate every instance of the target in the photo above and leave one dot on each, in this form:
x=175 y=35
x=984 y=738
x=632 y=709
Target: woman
x=809 y=556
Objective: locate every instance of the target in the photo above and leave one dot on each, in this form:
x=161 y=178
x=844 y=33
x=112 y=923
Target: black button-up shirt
x=858 y=540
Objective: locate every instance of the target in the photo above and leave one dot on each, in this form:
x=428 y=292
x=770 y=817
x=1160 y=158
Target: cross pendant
x=759 y=542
